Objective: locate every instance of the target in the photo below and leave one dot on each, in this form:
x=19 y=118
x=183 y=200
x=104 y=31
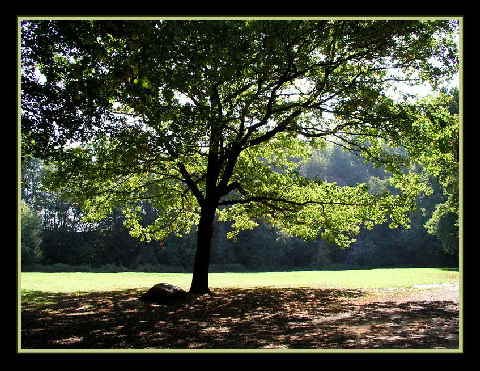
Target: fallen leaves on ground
x=294 y=318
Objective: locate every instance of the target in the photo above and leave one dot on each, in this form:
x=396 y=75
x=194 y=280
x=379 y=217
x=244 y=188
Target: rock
x=164 y=293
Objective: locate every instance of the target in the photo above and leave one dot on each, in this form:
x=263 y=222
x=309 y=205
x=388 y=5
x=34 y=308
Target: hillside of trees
x=55 y=238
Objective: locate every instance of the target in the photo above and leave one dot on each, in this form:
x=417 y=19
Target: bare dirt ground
x=442 y=292
x=260 y=318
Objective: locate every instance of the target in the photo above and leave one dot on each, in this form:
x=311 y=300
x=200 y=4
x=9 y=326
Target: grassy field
x=351 y=279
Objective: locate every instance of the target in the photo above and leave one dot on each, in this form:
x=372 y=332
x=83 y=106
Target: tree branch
x=281 y=200
x=191 y=184
x=282 y=126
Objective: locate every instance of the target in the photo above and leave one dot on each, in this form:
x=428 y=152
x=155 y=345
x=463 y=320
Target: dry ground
x=298 y=318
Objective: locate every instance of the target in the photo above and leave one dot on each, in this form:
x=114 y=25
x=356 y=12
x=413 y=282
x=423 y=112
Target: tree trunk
x=202 y=255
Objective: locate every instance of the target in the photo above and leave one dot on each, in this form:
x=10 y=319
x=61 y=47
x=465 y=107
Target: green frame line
x=457 y=17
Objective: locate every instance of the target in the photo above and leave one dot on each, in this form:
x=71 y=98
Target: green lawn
x=367 y=279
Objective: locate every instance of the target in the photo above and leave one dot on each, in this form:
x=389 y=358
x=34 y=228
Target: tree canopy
x=208 y=118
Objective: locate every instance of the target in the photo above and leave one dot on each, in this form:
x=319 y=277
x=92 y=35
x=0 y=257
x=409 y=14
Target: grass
x=351 y=279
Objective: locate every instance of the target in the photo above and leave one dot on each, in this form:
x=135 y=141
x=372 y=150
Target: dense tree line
x=53 y=233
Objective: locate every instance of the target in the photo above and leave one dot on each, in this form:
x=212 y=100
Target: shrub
x=60 y=267
x=147 y=268
x=159 y=268
x=109 y=268
x=227 y=268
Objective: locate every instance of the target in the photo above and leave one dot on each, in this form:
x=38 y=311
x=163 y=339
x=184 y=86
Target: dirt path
x=424 y=293
x=420 y=317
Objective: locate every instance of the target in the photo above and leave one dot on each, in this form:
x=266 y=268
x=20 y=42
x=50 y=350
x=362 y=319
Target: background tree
x=210 y=118
x=30 y=236
x=444 y=166
x=383 y=246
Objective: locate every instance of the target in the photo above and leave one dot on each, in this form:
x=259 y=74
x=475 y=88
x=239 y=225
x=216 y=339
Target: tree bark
x=199 y=283
x=210 y=201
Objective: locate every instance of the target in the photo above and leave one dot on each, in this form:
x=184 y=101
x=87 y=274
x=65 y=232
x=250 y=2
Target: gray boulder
x=164 y=293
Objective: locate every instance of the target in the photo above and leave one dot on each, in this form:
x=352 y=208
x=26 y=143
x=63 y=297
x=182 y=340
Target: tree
x=444 y=222
x=30 y=236
x=207 y=118
x=438 y=124
x=382 y=246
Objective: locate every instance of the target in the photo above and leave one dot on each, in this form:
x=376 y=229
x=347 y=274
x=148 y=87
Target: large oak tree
x=214 y=119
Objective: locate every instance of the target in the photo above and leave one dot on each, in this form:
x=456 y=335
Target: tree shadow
x=302 y=318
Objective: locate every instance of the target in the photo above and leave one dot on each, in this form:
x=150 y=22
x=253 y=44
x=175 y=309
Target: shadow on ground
x=235 y=319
